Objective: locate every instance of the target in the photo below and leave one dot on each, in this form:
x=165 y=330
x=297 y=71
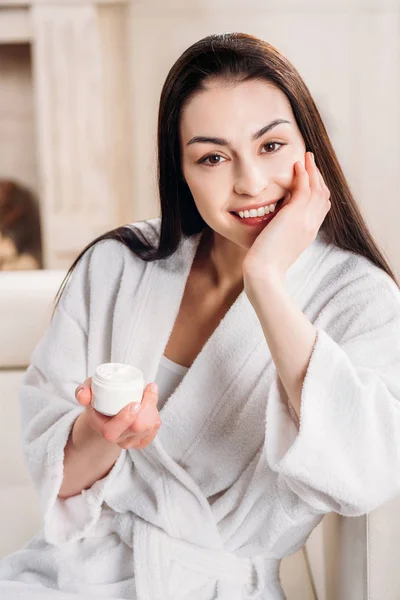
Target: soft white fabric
x=230 y=485
x=169 y=376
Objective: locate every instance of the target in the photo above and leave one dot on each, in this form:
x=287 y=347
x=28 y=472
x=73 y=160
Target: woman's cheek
x=285 y=174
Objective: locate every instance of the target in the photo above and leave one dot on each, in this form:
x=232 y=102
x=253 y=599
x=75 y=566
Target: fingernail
x=80 y=389
x=135 y=407
x=312 y=157
x=154 y=388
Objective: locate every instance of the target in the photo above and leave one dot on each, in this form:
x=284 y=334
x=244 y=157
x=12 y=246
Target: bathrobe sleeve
x=48 y=409
x=344 y=454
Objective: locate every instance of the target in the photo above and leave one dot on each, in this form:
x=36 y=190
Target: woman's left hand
x=293 y=228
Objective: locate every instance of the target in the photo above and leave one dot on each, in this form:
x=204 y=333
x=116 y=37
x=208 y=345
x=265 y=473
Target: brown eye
x=273 y=144
x=210 y=156
x=214 y=156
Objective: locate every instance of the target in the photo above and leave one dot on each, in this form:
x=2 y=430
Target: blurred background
x=79 y=90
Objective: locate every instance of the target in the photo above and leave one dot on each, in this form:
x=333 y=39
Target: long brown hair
x=239 y=57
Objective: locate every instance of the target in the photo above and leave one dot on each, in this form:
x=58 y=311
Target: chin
x=244 y=241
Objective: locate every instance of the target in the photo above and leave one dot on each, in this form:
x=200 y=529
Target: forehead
x=223 y=106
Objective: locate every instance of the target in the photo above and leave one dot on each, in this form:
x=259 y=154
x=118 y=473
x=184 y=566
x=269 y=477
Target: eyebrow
x=223 y=142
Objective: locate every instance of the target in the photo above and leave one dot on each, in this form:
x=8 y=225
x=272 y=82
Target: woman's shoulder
x=148 y=228
x=349 y=268
x=110 y=256
x=113 y=248
x=353 y=289
x=102 y=267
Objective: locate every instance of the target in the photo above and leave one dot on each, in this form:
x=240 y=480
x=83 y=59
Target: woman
x=274 y=341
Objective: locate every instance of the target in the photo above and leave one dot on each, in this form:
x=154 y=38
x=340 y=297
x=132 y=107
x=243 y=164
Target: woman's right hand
x=127 y=429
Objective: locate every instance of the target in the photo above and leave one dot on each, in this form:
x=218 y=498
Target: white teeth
x=260 y=212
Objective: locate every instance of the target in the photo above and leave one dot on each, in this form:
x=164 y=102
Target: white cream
x=114 y=385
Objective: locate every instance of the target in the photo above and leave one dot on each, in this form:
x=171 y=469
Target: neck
x=221 y=261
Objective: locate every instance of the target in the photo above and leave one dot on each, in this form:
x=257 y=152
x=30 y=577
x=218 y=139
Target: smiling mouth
x=277 y=206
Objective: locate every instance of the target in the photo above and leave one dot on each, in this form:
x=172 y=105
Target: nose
x=250 y=180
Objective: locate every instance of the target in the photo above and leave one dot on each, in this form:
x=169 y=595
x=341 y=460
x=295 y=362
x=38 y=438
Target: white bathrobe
x=230 y=485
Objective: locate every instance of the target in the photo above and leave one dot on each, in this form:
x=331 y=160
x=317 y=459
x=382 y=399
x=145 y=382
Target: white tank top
x=169 y=376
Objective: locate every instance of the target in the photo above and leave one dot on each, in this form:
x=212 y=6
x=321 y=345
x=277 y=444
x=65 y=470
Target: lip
x=256 y=206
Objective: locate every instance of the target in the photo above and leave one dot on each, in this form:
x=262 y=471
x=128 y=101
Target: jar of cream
x=114 y=385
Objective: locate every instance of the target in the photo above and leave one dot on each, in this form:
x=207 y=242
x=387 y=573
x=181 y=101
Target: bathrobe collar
x=236 y=337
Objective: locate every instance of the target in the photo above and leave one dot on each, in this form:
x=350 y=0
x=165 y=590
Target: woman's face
x=237 y=170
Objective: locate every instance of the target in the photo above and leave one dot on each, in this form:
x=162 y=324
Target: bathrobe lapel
x=188 y=409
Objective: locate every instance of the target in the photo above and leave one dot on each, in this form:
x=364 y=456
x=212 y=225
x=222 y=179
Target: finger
x=98 y=419
x=144 y=434
x=312 y=169
x=302 y=181
x=147 y=418
x=148 y=414
x=83 y=392
x=115 y=426
x=150 y=396
x=144 y=441
x=151 y=434
x=132 y=440
x=126 y=420
x=323 y=184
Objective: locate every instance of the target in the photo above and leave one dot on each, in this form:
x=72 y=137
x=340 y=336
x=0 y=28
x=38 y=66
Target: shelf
x=15 y=26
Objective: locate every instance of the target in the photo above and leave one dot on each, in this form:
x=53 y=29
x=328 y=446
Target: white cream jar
x=114 y=385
